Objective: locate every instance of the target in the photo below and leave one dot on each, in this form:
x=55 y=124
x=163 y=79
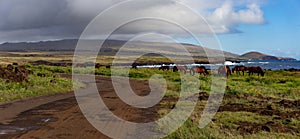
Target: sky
x=267 y=26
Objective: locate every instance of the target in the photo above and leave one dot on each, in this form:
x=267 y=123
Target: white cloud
x=225 y=18
x=67 y=18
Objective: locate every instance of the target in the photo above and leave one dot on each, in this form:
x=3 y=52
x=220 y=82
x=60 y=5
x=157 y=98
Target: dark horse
x=224 y=71
x=257 y=70
x=134 y=65
x=164 y=68
x=180 y=68
x=200 y=70
x=237 y=69
x=98 y=65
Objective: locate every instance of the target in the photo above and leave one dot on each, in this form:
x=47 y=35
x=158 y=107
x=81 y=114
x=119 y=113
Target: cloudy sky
x=269 y=26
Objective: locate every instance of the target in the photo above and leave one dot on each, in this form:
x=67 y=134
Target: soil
x=281 y=111
x=59 y=116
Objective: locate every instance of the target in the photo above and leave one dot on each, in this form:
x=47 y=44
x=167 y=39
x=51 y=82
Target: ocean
x=272 y=65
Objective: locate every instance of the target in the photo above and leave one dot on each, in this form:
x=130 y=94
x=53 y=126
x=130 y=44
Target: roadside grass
x=234 y=117
x=37 y=86
x=278 y=84
x=225 y=125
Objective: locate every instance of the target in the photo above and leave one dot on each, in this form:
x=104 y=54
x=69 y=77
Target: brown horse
x=200 y=70
x=224 y=71
x=180 y=68
x=164 y=68
x=10 y=67
x=237 y=69
x=98 y=65
x=257 y=70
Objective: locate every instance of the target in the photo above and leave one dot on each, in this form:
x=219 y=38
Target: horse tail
x=206 y=72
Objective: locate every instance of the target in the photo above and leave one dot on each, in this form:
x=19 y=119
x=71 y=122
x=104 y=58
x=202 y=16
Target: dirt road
x=59 y=116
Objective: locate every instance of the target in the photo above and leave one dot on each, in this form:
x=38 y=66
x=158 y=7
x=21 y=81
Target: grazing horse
x=134 y=65
x=164 y=68
x=10 y=67
x=237 y=69
x=224 y=71
x=257 y=70
x=200 y=70
x=98 y=65
x=22 y=69
x=180 y=68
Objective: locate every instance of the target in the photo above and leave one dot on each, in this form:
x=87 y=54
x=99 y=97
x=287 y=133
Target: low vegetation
x=253 y=107
x=48 y=82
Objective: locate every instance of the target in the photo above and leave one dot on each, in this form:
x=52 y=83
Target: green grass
x=37 y=86
x=279 y=84
x=234 y=117
x=276 y=84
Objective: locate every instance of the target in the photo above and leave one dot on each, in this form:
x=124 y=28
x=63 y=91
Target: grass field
x=36 y=86
x=253 y=107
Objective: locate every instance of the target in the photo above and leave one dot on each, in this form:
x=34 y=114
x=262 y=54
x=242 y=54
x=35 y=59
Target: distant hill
x=59 y=45
x=111 y=47
x=261 y=56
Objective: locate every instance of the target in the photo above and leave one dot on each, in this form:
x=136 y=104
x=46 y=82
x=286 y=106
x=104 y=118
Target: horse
x=10 y=67
x=200 y=70
x=180 y=68
x=98 y=65
x=237 y=69
x=257 y=70
x=164 y=68
x=22 y=69
x=224 y=71
x=134 y=65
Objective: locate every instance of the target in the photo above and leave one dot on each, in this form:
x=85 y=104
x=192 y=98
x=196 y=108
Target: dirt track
x=59 y=116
